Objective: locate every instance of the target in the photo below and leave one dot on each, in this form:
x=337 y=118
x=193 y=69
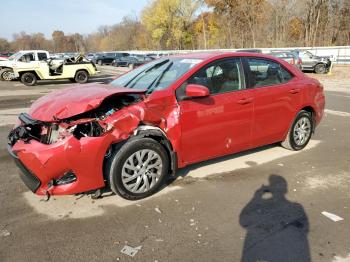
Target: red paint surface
x=198 y=129
x=72 y=101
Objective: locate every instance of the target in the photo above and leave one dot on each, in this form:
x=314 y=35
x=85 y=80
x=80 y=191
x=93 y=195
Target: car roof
x=218 y=54
x=27 y=51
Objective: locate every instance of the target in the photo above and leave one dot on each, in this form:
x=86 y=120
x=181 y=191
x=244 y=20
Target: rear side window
x=267 y=73
x=42 y=56
x=286 y=75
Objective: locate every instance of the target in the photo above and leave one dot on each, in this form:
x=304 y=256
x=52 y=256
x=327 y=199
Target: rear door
x=220 y=123
x=277 y=99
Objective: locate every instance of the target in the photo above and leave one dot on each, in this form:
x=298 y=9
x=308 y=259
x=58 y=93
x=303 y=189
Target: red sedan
x=169 y=113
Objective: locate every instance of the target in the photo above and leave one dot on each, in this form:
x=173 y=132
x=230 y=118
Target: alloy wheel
x=141 y=171
x=302 y=131
x=7 y=76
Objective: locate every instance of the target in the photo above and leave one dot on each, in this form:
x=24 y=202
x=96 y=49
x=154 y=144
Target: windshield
x=156 y=75
x=16 y=55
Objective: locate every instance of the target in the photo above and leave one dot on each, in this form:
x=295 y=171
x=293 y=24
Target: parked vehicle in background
x=131 y=134
x=92 y=56
x=250 y=50
x=33 y=65
x=311 y=62
x=288 y=56
x=108 y=57
x=131 y=61
x=5 y=55
x=23 y=60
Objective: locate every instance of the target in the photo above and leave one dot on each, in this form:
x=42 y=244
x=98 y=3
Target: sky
x=70 y=16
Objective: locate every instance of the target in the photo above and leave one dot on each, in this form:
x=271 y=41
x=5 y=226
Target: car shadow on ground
x=183 y=172
x=276 y=228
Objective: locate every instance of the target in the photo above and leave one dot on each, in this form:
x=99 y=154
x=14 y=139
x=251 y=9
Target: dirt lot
x=214 y=211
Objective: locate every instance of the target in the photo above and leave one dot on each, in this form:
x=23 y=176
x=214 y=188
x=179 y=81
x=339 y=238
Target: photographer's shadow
x=276 y=228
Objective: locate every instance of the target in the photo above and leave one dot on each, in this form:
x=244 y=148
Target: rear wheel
x=29 y=79
x=6 y=74
x=320 y=69
x=138 y=169
x=81 y=77
x=300 y=132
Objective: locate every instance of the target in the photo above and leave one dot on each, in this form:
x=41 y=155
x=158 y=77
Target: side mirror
x=193 y=90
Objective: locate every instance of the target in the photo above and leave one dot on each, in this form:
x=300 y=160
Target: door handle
x=244 y=101
x=294 y=90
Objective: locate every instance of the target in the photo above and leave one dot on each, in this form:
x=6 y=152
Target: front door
x=220 y=123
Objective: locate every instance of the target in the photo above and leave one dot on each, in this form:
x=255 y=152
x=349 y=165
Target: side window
x=286 y=75
x=42 y=56
x=27 y=58
x=267 y=73
x=220 y=77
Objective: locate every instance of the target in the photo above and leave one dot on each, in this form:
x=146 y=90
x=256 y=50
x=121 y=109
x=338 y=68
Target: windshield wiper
x=154 y=84
x=146 y=71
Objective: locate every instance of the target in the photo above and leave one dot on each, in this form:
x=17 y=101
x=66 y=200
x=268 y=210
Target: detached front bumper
x=69 y=166
x=28 y=178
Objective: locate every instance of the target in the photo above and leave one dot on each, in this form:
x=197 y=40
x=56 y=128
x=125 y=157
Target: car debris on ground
x=130 y=251
x=331 y=216
x=5 y=233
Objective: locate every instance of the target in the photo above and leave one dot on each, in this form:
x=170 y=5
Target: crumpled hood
x=75 y=100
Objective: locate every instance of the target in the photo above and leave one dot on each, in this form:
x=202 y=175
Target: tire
x=293 y=141
x=4 y=74
x=81 y=77
x=29 y=79
x=99 y=62
x=125 y=160
x=320 y=69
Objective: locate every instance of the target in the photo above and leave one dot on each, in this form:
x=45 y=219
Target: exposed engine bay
x=87 y=124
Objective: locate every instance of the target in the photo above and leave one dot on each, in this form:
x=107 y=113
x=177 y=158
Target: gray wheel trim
x=141 y=171
x=302 y=131
x=7 y=75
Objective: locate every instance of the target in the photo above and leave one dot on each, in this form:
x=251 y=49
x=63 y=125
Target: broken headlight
x=57 y=132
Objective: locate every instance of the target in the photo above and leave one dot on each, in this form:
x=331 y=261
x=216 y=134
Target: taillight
x=293 y=61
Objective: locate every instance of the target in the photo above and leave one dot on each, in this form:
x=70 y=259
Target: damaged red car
x=131 y=134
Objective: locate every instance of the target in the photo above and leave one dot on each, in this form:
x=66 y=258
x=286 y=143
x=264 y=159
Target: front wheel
x=6 y=74
x=138 y=169
x=300 y=132
x=81 y=77
x=29 y=79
